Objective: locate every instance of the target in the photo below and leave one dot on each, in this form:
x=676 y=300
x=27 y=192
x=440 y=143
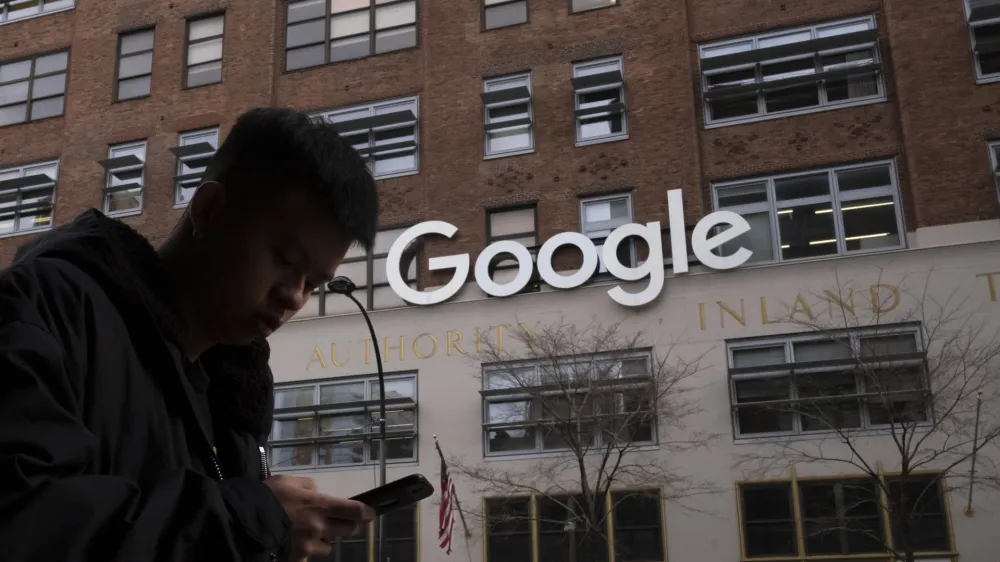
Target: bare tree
x=607 y=408
x=901 y=391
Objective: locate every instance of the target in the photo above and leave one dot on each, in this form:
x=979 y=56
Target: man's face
x=264 y=260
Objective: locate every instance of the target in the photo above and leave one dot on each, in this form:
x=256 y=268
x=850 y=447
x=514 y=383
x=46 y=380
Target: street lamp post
x=344 y=286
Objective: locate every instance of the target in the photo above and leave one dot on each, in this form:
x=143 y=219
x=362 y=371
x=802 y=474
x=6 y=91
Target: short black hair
x=272 y=146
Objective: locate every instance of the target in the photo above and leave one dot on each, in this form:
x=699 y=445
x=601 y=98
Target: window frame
x=599 y=241
x=534 y=532
x=184 y=156
x=535 y=419
x=501 y=263
x=484 y=9
x=877 y=66
x=116 y=93
x=772 y=206
x=35 y=186
x=411 y=103
x=788 y=369
x=613 y=4
x=5 y=15
x=109 y=189
x=981 y=77
x=336 y=554
x=993 y=148
x=508 y=102
x=793 y=486
x=581 y=88
x=368 y=407
x=371 y=33
x=188 y=43
x=30 y=101
x=369 y=258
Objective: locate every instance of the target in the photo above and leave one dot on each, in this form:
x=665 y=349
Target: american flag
x=446 y=517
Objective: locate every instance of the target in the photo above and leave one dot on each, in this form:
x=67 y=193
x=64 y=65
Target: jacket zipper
x=265 y=471
x=215 y=464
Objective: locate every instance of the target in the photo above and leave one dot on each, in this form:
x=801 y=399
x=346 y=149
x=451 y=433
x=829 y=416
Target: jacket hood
x=121 y=260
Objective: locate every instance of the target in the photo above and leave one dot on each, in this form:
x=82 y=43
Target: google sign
x=702 y=244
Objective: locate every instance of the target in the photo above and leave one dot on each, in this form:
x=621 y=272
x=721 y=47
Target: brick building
x=523 y=119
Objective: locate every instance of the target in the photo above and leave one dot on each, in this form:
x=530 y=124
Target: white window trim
x=371 y=107
x=993 y=147
x=142 y=191
x=866 y=427
x=824 y=105
x=487 y=155
x=333 y=408
x=980 y=77
x=487 y=7
x=614 y=137
x=518 y=395
x=52 y=208
x=178 y=204
x=771 y=207
x=583 y=227
x=4 y=20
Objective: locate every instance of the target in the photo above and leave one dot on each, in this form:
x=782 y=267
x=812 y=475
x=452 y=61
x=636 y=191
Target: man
x=135 y=397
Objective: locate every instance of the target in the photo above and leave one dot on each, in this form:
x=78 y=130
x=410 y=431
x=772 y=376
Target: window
x=504 y=13
x=14 y=10
x=599 y=94
x=587 y=5
x=324 y=31
x=193 y=151
x=135 y=64
x=33 y=89
x=565 y=531
x=519 y=224
x=204 y=51
x=333 y=424
x=984 y=27
x=843 y=210
x=125 y=166
x=599 y=217
x=791 y=71
x=572 y=403
x=27 y=194
x=384 y=134
x=368 y=271
x=400 y=540
x=995 y=164
x=843 y=516
x=840 y=381
x=507 y=115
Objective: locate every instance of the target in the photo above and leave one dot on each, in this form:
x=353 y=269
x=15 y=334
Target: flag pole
x=458 y=504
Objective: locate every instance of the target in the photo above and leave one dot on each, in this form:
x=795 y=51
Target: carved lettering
x=333 y=355
x=741 y=317
x=990 y=283
x=833 y=298
x=763 y=312
x=801 y=306
x=878 y=305
x=416 y=344
x=368 y=350
x=316 y=357
x=386 y=349
x=454 y=342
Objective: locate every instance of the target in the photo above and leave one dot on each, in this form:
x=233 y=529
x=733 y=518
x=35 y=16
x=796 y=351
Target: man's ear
x=206 y=207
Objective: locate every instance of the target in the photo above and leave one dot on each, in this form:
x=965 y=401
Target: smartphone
x=397 y=494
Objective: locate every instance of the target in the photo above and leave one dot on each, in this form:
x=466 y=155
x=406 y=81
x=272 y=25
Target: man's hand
x=317 y=519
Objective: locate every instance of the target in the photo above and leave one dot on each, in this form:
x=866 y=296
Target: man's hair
x=277 y=148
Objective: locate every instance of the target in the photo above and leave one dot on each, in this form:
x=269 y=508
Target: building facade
x=858 y=140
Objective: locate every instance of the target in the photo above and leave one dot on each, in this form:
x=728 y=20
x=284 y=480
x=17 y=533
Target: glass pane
x=285 y=457
x=506 y=14
x=352 y=48
x=395 y=15
x=355 y=271
x=342 y=393
x=293 y=397
x=395 y=164
x=47 y=108
x=398 y=388
x=870 y=224
x=13 y=93
x=342 y=425
x=395 y=39
x=812 y=185
x=878 y=346
x=734 y=107
x=826 y=350
x=758 y=240
x=512 y=439
x=807 y=231
x=499 y=141
x=305 y=33
x=15 y=71
x=292 y=429
x=309 y=9
x=133 y=88
x=758 y=356
x=135 y=65
x=600 y=124
x=789 y=99
x=503 y=223
x=208 y=27
x=819 y=414
x=581 y=5
x=305 y=57
x=396 y=449
x=346 y=5
x=508 y=113
x=769 y=526
x=742 y=194
x=208 y=73
x=134 y=42
x=13 y=114
x=51 y=63
x=47 y=86
x=766 y=418
x=206 y=51
x=124 y=201
x=350 y=24
x=852 y=87
x=788 y=69
x=342 y=453
x=508 y=412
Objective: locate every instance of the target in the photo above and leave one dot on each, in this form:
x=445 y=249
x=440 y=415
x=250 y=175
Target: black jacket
x=108 y=434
